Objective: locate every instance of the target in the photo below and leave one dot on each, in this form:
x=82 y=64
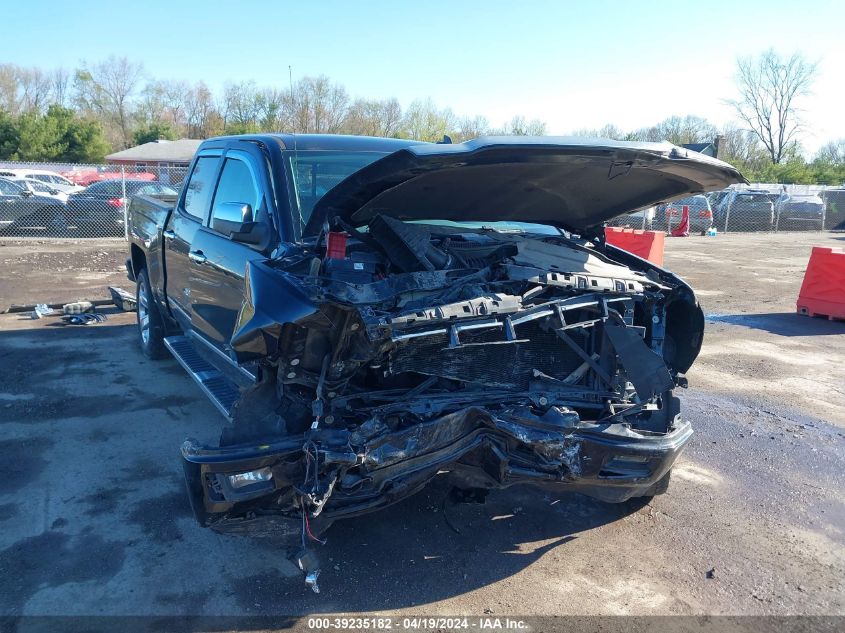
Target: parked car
x=85 y=177
x=41 y=188
x=50 y=178
x=834 y=217
x=715 y=198
x=746 y=209
x=20 y=207
x=642 y=219
x=366 y=315
x=799 y=210
x=100 y=207
x=700 y=213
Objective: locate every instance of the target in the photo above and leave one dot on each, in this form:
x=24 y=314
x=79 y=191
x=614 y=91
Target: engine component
x=408 y=246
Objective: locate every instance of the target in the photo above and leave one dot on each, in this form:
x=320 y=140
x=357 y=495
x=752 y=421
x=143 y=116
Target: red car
x=88 y=176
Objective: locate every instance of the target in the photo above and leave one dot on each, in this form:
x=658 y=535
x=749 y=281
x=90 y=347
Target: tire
x=150 y=324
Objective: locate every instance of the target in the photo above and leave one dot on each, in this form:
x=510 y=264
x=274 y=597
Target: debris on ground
x=86 y=318
x=711 y=573
x=30 y=307
x=42 y=310
x=78 y=307
x=123 y=299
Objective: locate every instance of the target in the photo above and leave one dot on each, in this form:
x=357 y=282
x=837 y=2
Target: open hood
x=571 y=183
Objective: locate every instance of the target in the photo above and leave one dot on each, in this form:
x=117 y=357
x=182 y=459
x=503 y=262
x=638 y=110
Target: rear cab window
x=200 y=187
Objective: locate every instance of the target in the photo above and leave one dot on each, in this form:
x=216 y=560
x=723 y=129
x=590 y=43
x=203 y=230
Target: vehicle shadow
x=422 y=550
x=782 y=323
x=427 y=549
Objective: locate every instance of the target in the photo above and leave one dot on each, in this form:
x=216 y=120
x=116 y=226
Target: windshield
x=501 y=227
x=315 y=172
x=695 y=203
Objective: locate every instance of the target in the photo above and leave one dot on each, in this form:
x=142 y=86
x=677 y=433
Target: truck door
x=217 y=270
x=184 y=222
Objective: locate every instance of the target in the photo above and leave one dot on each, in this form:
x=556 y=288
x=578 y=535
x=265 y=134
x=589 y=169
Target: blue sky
x=572 y=64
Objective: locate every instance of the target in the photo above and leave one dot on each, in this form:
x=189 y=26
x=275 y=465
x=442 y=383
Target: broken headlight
x=250 y=477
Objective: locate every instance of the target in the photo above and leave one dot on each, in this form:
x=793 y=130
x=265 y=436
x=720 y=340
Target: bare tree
x=832 y=152
x=9 y=101
x=373 y=117
x=273 y=114
x=472 y=127
x=107 y=89
x=329 y=102
x=424 y=121
x=60 y=86
x=163 y=101
x=678 y=130
x=742 y=148
x=241 y=107
x=317 y=106
x=35 y=89
x=201 y=117
x=607 y=131
x=520 y=126
x=769 y=88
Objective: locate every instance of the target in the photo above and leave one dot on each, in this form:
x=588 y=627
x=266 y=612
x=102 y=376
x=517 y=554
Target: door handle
x=197 y=257
x=168 y=234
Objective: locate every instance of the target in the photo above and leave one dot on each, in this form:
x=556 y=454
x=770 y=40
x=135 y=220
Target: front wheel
x=150 y=325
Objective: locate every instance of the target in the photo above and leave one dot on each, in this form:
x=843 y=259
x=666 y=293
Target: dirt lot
x=93 y=519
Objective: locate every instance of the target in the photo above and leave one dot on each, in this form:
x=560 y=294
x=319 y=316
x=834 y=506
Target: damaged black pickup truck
x=372 y=313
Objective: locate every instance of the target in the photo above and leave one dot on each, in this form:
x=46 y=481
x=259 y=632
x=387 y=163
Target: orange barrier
x=682 y=230
x=645 y=244
x=823 y=290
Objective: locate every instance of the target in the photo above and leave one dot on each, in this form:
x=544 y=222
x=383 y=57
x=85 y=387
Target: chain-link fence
x=756 y=207
x=63 y=200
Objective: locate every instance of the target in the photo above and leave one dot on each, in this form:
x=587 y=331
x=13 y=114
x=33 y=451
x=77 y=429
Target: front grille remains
x=486 y=359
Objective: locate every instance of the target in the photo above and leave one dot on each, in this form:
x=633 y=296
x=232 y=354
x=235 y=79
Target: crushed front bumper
x=335 y=474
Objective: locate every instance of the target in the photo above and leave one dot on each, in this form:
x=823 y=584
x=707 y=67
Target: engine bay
x=416 y=320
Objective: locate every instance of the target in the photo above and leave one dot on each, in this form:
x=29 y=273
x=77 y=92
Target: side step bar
x=222 y=392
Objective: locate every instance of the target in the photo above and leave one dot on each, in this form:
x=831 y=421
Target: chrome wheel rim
x=143 y=316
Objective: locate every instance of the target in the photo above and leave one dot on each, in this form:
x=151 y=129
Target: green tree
x=10 y=137
x=58 y=135
x=153 y=132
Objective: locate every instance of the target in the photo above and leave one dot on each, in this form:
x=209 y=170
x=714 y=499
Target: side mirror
x=235 y=220
x=26 y=193
x=231 y=217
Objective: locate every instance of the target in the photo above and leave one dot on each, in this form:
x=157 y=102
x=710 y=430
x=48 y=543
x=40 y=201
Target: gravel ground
x=93 y=520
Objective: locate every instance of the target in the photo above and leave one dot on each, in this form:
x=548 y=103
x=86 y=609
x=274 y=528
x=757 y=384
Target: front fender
x=272 y=299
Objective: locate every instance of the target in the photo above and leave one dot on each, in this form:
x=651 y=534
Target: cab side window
x=237 y=184
x=200 y=187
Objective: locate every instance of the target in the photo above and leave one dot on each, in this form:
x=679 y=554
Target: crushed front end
x=418 y=350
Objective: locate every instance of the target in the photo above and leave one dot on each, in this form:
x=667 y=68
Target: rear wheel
x=150 y=324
